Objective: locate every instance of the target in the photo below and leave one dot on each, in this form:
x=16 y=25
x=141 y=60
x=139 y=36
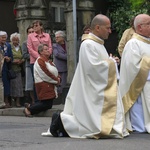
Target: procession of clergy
x=96 y=106
x=103 y=102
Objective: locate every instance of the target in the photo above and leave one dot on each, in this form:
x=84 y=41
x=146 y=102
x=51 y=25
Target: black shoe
x=54 y=127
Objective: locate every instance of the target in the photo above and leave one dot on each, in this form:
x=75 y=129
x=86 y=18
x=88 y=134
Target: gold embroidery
x=137 y=84
x=139 y=37
x=110 y=103
x=91 y=37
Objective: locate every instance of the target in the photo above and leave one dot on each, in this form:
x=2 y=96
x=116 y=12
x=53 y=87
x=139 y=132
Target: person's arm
x=1 y=62
x=50 y=44
x=42 y=65
x=10 y=54
x=33 y=52
x=59 y=55
x=25 y=53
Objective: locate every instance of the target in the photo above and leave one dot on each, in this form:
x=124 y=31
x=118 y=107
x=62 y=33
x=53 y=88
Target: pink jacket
x=33 y=42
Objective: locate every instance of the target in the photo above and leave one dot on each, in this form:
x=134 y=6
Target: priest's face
x=145 y=28
x=104 y=30
x=142 y=25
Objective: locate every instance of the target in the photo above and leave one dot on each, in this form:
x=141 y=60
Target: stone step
x=19 y=111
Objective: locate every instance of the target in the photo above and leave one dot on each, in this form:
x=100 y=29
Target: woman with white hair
x=5 y=50
x=60 y=58
x=16 y=86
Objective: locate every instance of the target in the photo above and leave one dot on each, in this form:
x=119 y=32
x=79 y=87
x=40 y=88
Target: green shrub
x=122 y=11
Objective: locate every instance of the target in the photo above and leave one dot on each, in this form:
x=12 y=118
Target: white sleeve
x=117 y=72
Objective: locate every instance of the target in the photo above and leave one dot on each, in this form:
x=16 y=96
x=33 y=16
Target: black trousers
x=34 y=90
x=56 y=127
x=40 y=106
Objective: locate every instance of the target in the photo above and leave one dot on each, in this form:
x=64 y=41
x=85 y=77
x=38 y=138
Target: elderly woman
x=46 y=79
x=5 y=50
x=60 y=58
x=16 y=86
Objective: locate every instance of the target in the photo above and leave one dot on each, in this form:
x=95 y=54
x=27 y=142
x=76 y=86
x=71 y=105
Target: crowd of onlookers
x=19 y=59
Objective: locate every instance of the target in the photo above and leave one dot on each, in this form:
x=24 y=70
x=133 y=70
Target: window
x=58 y=12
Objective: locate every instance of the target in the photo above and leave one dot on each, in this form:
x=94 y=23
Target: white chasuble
x=93 y=107
x=134 y=82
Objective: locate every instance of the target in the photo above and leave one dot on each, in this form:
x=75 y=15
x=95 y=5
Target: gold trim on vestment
x=91 y=37
x=141 y=38
x=137 y=84
x=110 y=102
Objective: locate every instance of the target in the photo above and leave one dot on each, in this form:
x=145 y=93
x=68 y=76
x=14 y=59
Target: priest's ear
x=140 y=28
x=98 y=27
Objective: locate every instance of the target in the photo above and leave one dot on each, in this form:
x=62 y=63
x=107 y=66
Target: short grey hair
x=60 y=33
x=3 y=33
x=14 y=35
x=139 y=19
x=41 y=47
x=99 y=19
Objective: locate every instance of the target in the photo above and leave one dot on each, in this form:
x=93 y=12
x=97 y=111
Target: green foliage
x=121 y=18
x=113 y=4
x=136 y=4
x=122 y=11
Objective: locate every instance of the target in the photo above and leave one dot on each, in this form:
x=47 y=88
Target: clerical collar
x=92 y=37
x=141 y=38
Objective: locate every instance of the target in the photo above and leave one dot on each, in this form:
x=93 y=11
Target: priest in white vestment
x=93 y=107
x=134 y=81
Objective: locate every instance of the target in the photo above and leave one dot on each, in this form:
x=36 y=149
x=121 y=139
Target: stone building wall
x=7 y=17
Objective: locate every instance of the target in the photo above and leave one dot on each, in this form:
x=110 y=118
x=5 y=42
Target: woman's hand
x=8 y=59
x=18 y=61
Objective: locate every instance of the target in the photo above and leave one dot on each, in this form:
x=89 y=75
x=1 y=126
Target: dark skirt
x=6 y=83
x=16 y=86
